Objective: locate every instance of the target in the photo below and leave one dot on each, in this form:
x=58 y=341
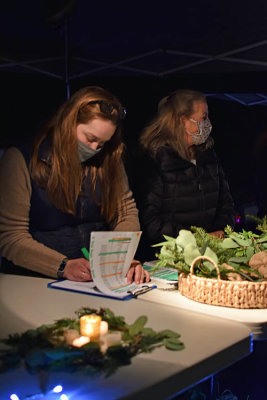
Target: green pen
x=85 y=253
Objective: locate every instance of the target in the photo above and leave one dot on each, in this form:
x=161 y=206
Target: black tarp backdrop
x=38 y=62
x=29 y=101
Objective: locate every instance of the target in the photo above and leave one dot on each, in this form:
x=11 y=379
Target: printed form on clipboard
x=111 y=254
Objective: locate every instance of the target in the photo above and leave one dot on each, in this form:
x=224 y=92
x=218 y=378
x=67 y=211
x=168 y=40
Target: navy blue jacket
x=62 y=231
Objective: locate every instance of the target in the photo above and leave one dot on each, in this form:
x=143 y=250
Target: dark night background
x=141 y=51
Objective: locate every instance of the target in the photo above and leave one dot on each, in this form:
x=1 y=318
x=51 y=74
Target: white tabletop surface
x=168 y=294
x=211 y=343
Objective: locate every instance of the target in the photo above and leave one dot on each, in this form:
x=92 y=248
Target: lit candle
x=103 y=328
x=113 y=338
x=70 y=335
x=80 y=341
x=90 y=326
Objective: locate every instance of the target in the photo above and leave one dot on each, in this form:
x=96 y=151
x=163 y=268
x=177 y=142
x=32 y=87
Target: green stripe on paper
x=113 y=252
x=120 y=240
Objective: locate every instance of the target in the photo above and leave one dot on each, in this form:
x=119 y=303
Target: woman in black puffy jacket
x=186 y=184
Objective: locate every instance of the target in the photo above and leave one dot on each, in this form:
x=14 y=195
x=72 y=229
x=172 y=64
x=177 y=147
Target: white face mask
x=85 y=152
x=204 y=128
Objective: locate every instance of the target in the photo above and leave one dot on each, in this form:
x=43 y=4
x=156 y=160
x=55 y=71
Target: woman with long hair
x=187 y=187
x=70 y=183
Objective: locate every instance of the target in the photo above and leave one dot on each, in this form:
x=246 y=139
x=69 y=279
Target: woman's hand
x=218 y=234
x=137 y=273
x=78 y=270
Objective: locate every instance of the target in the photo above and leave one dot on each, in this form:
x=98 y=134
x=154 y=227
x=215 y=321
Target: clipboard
x=110 y=255
x=90 y=289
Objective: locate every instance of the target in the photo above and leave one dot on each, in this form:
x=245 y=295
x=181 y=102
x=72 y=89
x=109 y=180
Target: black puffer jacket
x=181 y=194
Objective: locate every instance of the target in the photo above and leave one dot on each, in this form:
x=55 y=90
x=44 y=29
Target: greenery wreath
x=45 y=348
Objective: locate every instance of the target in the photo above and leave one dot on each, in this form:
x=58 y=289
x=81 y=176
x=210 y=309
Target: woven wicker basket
x=218 y=292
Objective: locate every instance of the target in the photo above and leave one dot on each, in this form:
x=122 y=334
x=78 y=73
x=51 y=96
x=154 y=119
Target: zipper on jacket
x=200 y=189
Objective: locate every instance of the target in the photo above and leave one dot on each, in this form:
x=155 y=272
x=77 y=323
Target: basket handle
x=204 y=258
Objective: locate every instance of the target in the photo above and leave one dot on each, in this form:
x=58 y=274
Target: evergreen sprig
x=232 y=254
x=45 y=348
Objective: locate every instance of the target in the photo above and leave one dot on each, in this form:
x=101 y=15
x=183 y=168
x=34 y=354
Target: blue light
x=14 y=397
x=251 y=343
x=64 y=397
x=58 y=389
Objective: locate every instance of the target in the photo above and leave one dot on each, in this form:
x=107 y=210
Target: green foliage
x=137 y=326
x=261 y=222
x=235 y=250
x=173 y=344
x=45 y=348
x=181 y=251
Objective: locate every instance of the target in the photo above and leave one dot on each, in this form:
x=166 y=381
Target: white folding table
x=211 y=343
x=167 y=294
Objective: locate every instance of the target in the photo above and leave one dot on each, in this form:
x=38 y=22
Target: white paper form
x=111 y=254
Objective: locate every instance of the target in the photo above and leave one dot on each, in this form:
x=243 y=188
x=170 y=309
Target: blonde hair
x=62 y=177
x=167 y=127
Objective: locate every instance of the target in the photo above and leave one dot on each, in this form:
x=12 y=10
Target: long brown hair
x=63 y=175
x=167 y=127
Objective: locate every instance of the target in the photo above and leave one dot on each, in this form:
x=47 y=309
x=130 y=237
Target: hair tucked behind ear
x=62 y=176
x=167 y=127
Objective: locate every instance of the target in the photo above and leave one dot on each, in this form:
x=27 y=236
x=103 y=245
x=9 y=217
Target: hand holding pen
x=78 y=269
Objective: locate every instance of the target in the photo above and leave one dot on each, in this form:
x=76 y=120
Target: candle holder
x=90 y=326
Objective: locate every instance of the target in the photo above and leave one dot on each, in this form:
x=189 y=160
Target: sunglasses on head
x=108 y=108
